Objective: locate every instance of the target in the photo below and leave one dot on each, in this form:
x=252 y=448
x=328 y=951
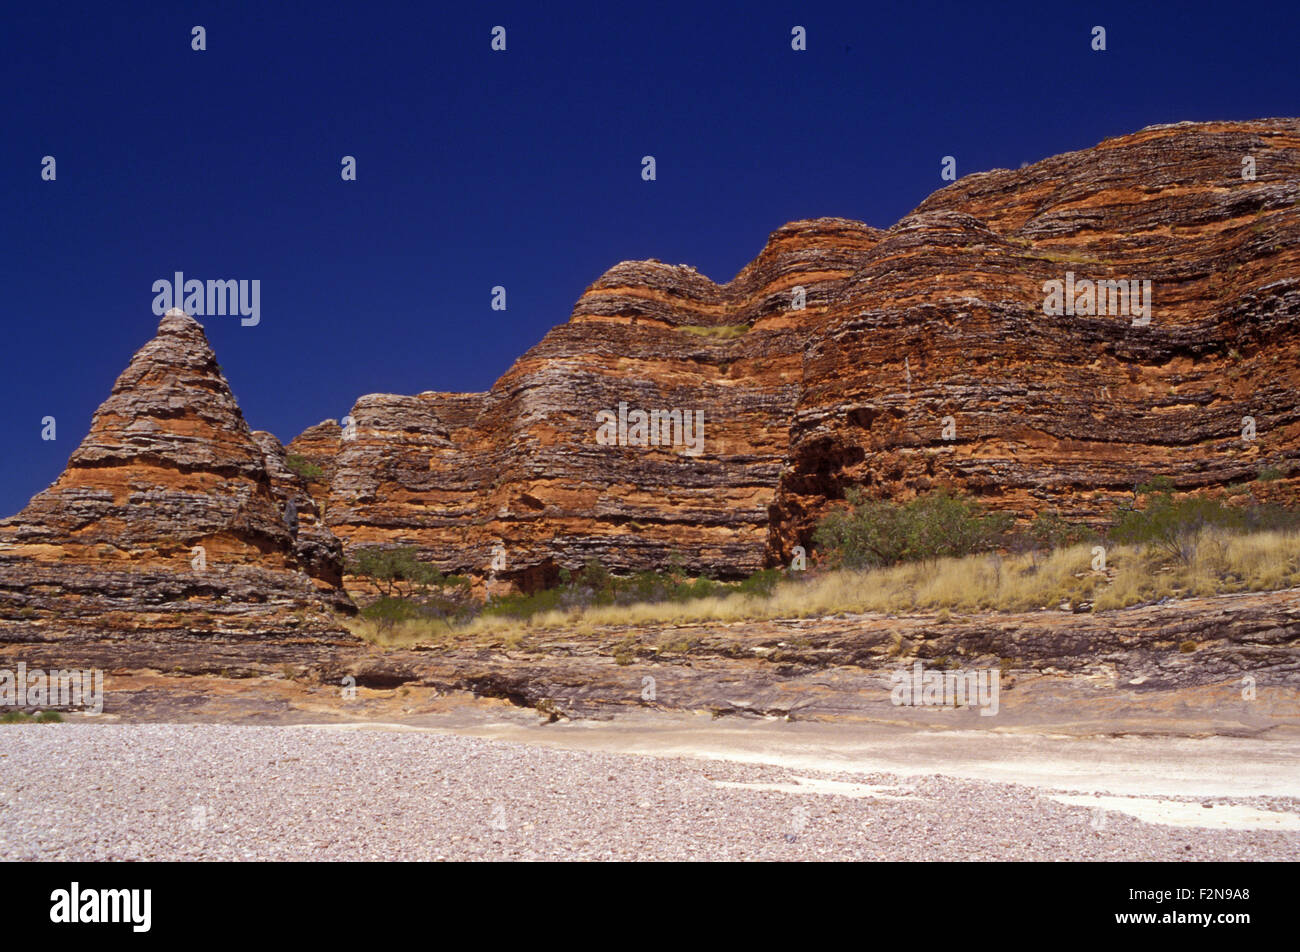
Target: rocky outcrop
x=518 y=475
x=926 y=355
x=900 y=360
x=317 y=550
x=169 y=521
x=318 y=448
x=947 y=326
x=1194 y=668
x=1226 y=653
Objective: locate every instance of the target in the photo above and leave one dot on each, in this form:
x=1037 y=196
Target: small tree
x=409 y=588
x=397 y=573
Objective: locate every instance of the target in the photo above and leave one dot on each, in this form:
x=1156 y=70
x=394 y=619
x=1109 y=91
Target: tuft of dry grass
x=1222 y=563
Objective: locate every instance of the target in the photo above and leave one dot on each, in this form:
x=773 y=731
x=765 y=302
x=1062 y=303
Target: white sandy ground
x=1182 y=813
x=493 y=785
x=1127 y=774
x=817 y=785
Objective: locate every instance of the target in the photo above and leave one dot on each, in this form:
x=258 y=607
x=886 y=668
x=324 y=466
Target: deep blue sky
x=521 y=169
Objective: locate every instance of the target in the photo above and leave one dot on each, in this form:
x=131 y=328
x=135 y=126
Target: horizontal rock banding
x=902 y=360
x=1071 y=411
x=941 y=316
x=166 y=520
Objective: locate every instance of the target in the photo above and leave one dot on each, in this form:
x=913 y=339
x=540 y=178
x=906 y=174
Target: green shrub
x=1050 y=530
x=303 y=466
x=595 y=585
x=397 y=573
x=519 y=605
x=873 y=533
x=410 y=589
x=390 y=611
x=761 y=583
x=22 y=717
x=1171 y=525
x=596 y=578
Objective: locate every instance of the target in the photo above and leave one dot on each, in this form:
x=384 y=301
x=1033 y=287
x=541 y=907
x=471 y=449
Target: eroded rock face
x=922 y=357
x=319 y=447
x=1069 y=411
x=518 y=473
x=1100 y=668
x=317 y=550
x=167 y=520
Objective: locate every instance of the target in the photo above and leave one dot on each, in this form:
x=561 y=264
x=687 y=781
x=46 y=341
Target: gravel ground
x=220 y=792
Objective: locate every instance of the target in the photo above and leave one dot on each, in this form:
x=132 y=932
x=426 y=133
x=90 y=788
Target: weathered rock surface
x=519 y=467
x=319 y=446
x=1226 y=664
x=317 y=550
x=948 y=320
x=839 y=667
x=169 y=521
x=941 y=316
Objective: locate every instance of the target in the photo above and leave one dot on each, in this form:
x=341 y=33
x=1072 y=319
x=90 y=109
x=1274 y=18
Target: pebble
x=230 y=792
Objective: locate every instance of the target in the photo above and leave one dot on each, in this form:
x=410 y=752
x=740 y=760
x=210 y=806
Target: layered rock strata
x=518 y=474
x=927 y=355
x=168 y=521
x=947 y=326
x=1231 y=656
x=919 y=357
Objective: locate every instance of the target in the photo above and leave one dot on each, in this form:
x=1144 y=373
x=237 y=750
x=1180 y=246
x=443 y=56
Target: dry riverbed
x=488 y=782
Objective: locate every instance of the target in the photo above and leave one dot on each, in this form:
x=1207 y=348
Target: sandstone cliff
x=900 y=360
x=169 y=520
x=922 y=356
